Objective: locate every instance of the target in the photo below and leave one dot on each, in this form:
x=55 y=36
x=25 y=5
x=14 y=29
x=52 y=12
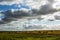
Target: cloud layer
x=41 y=14
x=9 y=2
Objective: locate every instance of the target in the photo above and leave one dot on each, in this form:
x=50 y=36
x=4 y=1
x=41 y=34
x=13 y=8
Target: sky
x=47 y=10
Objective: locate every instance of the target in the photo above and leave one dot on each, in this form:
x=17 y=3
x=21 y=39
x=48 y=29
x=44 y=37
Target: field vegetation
x=30 y=35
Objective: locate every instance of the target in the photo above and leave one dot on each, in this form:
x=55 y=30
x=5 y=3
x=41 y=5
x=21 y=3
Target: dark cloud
x=51 y=1
x=16 y=14
x=2 y=22
x=57 y=17
x=46 y=9
x=51 y=19
x=13 y=16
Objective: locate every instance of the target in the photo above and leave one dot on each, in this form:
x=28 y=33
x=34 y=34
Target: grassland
x=30 y=35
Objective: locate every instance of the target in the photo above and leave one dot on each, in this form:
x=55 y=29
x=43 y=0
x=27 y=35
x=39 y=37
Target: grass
x=27 y=36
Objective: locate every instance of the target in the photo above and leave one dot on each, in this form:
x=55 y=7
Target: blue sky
x=9 y=7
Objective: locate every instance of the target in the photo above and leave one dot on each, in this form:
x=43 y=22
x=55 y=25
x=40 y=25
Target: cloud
x=57 y=15
x=26 y=25
x=13 y=15
x=52 y=16
x=10 y=2
x=38 y=16
x=49 y=17
x=34 y=4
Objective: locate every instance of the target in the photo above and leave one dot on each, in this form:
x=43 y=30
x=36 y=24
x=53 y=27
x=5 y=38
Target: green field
x=27 y=36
